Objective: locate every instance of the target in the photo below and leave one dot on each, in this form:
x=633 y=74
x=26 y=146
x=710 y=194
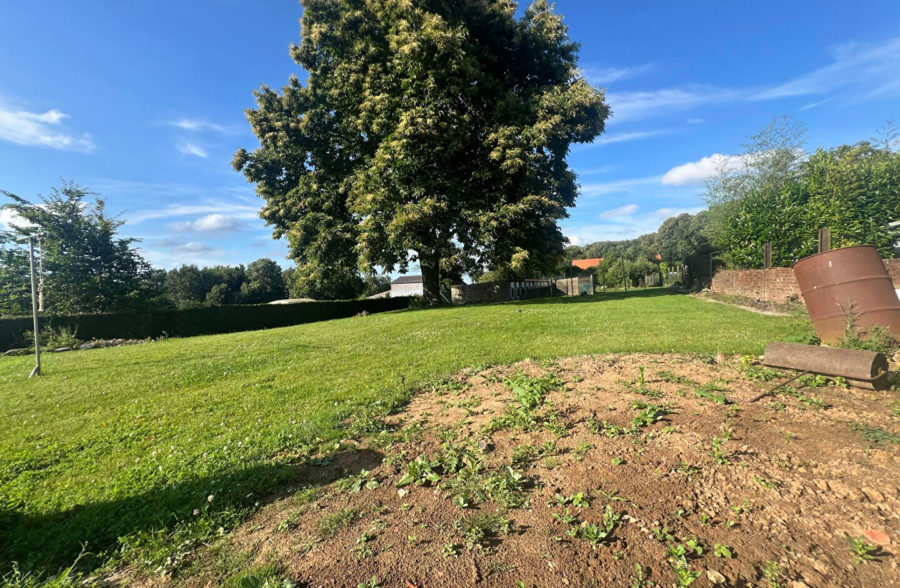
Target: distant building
x=587 y=263
x=407 y=286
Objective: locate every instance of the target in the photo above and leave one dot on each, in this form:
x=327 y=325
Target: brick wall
x=776 y=284
x=893 y=268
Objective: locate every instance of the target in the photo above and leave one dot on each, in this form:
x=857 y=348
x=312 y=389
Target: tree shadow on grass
x=45 y=544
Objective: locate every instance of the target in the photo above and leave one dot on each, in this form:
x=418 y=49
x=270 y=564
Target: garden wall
x=776 y=284
x=194 y=321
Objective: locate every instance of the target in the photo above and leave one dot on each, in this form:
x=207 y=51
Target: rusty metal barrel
x=848 y=284
x=863 y=369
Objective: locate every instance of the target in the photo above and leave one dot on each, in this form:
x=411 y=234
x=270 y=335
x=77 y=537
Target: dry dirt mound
x=638 y=470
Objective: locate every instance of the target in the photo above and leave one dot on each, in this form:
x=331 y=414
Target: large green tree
x=87 y=267
x=429 y=131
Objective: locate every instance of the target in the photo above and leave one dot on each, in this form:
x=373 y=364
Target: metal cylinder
x=845 y=285
x=864 y=369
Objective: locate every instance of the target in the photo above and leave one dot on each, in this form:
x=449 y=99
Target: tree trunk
x=431 y=281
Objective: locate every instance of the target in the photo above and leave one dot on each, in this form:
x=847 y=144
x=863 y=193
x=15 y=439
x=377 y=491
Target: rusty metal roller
x=848 y=284
x=863 y=369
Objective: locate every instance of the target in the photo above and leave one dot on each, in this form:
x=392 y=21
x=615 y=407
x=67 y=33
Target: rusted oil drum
x=853 y=281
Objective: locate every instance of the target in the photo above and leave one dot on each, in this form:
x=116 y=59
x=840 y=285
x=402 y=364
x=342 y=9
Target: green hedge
x=194 y=321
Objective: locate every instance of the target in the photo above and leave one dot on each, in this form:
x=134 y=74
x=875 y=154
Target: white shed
x=407 y=286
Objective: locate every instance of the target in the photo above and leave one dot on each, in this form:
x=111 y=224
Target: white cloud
x=638 y=105
x=623 y=227
x=873 y=68
x=188 y=148
x=210 y=223
x=626 y=210
x=815 y=104
x=617 y=186
x=10 y=218
x=664 y=213
x=694 y=121
x=623 y=137
x=600 y=76
x=191 y=124
x=596 y=170
x=241 y=211
x=40 y=130
x=870 y=71
x=696 y=172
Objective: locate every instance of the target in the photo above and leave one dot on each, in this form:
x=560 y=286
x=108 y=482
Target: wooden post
x=767 y=254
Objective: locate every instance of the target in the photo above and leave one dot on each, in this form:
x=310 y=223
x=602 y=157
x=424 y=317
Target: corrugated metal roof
x=408 y=280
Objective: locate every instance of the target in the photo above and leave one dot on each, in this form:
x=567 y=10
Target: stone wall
x=775 y=284
x=484 y=292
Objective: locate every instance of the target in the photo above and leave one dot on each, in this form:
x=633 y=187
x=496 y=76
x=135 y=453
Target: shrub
x=193 y=321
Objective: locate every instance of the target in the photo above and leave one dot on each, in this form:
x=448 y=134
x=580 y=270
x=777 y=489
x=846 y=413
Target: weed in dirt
x=617 y=461
x=597 y=534
x=602 y=427
x=582 y=449
x=529 y=394
x=862 y=550
x=363 y=549
x=673 y=378
x=479 y=530
x=719 y=455
x=639 y=579
x=525 y=453
x=289 y=523
x=770 y=484
x=688 y=469
x=683 y=573
x=713 y=392
x=722 y=550
x=579 y=500
x=421 y=471
x=566 y=518
x=505 y=486
x=356 y=483
x=265 y=577
x=772 y=573
x=662 y=534
x=450 y=549
x=650 y=413
x=878 y=340
x=370 y=583
x=875 y=435
x=330 y=524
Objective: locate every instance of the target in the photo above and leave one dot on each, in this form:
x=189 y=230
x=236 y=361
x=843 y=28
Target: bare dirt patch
x=599 y=471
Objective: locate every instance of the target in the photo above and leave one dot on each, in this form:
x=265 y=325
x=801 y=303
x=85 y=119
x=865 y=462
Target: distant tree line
x=88 y=268
x=773 y=192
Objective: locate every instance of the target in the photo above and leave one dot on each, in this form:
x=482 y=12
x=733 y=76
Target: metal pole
x=34 y=310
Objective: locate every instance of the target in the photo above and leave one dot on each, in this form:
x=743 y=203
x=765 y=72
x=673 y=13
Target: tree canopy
x=427 y=131
x=87 y=267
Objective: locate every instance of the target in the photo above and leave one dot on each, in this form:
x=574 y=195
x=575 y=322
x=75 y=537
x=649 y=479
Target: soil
x=798 y=479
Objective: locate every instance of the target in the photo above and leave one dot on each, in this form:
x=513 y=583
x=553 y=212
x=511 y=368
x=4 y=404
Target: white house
x=407 y=286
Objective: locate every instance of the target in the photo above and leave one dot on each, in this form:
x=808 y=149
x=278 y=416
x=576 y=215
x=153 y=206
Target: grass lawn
x=140 y=452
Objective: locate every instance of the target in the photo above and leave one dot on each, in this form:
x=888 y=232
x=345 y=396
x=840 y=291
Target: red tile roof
x=587 y=263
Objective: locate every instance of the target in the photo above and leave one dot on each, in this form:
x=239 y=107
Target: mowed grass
x=138 y=452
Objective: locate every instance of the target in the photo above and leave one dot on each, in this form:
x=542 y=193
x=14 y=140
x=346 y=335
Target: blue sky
x=143 y=103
